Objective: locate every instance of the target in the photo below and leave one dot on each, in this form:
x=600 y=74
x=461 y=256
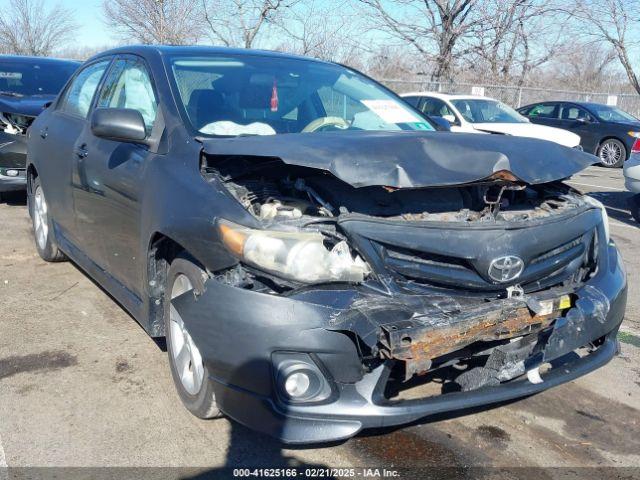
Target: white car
x=475 y=114
x=632 y=179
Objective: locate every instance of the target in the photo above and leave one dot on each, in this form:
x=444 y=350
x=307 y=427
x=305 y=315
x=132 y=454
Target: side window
x=77 y=98
x=436 y=107
x=571 y=112
x=544 y=110
x=128 y=85
x=413 y=101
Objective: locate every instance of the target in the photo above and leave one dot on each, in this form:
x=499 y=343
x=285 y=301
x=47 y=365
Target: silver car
x=632 y=179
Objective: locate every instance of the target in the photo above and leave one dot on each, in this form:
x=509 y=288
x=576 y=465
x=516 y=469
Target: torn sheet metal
x=411 y=159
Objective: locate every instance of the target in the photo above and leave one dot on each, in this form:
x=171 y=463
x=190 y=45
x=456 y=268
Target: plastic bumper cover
x=237 y=331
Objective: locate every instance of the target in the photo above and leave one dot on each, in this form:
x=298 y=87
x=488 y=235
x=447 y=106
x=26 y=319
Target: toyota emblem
x=506 y=269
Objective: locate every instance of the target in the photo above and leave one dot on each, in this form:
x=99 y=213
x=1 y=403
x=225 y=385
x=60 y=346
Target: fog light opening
x=297 y=384
x=12 y=173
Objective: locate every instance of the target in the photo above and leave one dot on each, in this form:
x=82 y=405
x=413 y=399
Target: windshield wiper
x=10 y=94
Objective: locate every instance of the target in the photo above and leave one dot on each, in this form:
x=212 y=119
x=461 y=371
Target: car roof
x=447 y=96
x=163 y=50
x=586 y=105
x=30 y=59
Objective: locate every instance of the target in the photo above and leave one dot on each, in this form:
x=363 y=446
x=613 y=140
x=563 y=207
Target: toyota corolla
x=318 y=257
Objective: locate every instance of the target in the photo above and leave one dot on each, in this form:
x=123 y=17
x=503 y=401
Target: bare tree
x=609 y=21
x=175 y=22
x=319 y=29
x=238 y=23
x=29 y=27
x=517 y=37
x=437 y=29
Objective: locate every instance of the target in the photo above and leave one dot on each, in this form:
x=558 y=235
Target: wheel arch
x=161 y=251
x=613 y=137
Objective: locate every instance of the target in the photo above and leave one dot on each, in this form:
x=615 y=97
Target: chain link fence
x=518 y=96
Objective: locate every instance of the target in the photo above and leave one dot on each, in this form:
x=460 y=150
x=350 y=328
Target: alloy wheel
x=610 y=153
x=40 y=218
x=185 y=354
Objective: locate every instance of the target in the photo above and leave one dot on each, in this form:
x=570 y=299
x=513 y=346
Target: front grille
x=541 y=270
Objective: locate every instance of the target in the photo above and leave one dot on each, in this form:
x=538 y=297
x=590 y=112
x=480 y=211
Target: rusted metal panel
x=418 y=342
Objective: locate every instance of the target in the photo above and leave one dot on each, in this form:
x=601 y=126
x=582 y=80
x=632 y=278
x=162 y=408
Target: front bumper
x=632 y=173
x=238 y=330
x=13 y=156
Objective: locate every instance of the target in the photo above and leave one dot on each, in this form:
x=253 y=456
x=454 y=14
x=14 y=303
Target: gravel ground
x=82 y=385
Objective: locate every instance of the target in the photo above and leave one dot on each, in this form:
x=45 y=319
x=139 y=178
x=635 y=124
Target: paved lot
x=81 y=384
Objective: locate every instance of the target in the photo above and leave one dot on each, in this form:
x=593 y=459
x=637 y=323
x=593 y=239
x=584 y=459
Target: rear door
x=53 y=143
x=579 y=121
x=112 y=174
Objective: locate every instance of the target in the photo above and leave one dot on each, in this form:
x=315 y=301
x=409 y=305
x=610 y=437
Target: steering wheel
x=322 y=122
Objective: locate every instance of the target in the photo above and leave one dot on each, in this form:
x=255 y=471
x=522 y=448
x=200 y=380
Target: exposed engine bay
x=280 y=192
x=418 y=324
x=15 y=124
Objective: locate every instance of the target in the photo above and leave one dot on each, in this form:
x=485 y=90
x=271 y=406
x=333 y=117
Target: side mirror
x=442 y=124
x=121 y=124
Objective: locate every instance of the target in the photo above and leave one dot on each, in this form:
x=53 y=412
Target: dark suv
x=27 y=84
x=319 y=259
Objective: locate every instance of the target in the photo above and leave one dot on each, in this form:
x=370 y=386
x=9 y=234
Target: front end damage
x=13 y=151
x=457 y=296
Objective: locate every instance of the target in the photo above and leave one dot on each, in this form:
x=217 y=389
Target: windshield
x=18 y=78
x=487 y=111
x=254 y=95
x=612 y=114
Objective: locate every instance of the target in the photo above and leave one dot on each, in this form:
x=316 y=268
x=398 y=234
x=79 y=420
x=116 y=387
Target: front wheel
x=43 y=226
x=189 y=373
x=612 y=153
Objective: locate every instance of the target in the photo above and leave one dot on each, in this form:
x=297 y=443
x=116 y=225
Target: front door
x=112 y=174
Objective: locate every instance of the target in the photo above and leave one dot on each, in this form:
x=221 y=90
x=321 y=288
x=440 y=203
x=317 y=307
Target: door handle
x=44 y=133
x=81 y=151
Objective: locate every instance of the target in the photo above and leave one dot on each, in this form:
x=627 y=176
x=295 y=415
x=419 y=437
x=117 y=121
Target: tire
x=634 y=206
x=42 y=223
x=189 y=373
x=612 y=153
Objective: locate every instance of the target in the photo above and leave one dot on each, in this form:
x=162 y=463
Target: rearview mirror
x=121 y=124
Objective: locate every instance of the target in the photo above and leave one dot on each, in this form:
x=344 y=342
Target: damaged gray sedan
x=318 y=257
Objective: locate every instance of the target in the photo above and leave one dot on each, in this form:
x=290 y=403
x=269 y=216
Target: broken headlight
x=296 y=255
x=605 y=216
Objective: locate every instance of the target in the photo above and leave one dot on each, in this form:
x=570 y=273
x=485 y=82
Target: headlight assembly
x=605 y=215
x=296 y=255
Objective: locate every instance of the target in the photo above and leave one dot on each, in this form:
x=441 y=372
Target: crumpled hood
x=532 y=130
x=32 y=106
x=410 y=159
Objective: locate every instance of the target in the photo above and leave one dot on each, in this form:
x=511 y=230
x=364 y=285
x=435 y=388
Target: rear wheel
x=612 y=153
x=189 y=373
x=43 y=226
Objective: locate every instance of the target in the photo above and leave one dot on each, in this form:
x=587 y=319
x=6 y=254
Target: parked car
x=476 y=114
x=607 y=132
x=632 y=179
x=307 y=243
x=27 y=84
